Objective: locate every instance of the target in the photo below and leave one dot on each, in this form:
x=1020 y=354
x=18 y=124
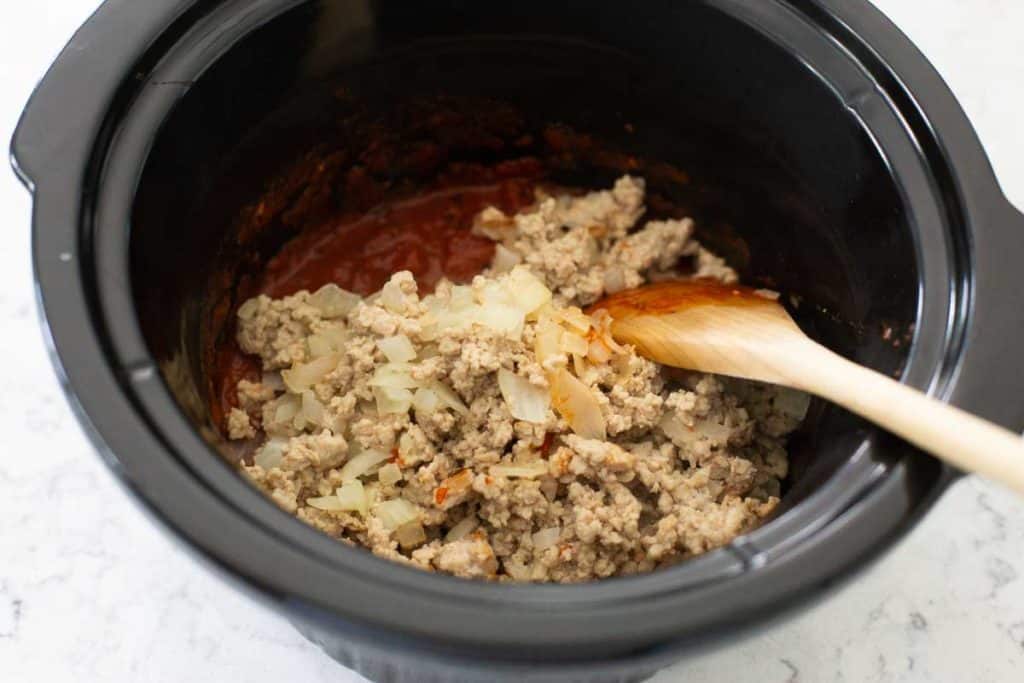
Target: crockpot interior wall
x=781 y=177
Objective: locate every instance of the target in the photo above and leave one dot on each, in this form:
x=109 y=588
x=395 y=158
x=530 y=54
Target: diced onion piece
x=319 y=346
x=578 y=365
x=391 y=297
x=503 y=318
x=504 y=259
x=577 y=404
x=598 y=352
x=410 y=535
x=525 y=401
x=570 y=342
x=360 y=464
x=680 y=433
x=352 y=496
x=448 y=397
x=398 y=349
x=462 y=529
x=393 y=375
x=524 y=471
x=396 y=513
x=287 y=408
x=545 y=343
x=332 y=301
x=529 y=293
x=792 y=403
x=426 y=401
x=516 y=570
x=337 y=334
x=272 y=380
x=461 y=298
x=575 y=318
x=271 y=453
x=713 y=430
x=389 y=474
x=312 y=410
x=330 y=503
x=392 y=400
x=248 y=310
x=406 y=444
x=545 y=538
x=302 y=376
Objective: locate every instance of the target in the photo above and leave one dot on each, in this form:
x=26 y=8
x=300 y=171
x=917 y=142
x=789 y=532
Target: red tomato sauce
x=428 y=234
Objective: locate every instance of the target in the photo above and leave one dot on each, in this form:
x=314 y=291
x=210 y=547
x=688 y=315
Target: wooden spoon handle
x=961 y=439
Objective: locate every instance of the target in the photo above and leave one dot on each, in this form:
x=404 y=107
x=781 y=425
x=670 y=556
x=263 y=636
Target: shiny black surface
x=814 y=131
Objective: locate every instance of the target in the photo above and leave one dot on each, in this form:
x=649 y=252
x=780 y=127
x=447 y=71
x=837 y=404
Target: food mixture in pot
x=495 y=429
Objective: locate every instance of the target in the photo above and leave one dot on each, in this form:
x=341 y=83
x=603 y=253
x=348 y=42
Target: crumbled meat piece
x=401 y=394
x=239 y=426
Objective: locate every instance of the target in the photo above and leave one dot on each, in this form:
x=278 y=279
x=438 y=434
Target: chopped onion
x=272 y=380
x=576 y=318
x=410 y=535
x=503 y=318
x=330 y=503
x=287 y=408
x=391 y=297
x=529 y=293
x=526 y=471
x=680 y=433
x=248 y=310
x=398 y=349
x=504 y=259
x=578 y=365
x=393 y=375
x=392 y=400
x=713 y=430
x=405 y=445
x=570 y=342
x=426 y=401
x=302 y=376
x=546 y=339
x=577 y=404
x=461 y=298
x=312 y=409
x=462 y=529
x=360 y=464
x=598 y=352
x=389 y=474
x=271 y=453
x=319 y=346
x=448 y=397
x=396 y=513
x=792 y=403
x=333 y=302
x=545 y=538
x=352 y=496
x=525 y=401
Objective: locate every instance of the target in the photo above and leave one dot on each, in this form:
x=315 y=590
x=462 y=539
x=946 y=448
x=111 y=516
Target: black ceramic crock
x=811 y=132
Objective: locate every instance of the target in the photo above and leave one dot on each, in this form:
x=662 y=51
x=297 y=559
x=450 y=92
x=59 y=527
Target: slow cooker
x=809 y=138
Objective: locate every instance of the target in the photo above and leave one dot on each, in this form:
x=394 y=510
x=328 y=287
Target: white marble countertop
x=90 y=592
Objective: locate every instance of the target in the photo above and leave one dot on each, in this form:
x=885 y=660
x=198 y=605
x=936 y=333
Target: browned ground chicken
x=497 y=431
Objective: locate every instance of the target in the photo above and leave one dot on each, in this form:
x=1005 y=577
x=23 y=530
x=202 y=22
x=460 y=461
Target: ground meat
x=494 y=430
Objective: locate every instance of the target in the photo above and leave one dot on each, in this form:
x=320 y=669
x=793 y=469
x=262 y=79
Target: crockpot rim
x=50 y=262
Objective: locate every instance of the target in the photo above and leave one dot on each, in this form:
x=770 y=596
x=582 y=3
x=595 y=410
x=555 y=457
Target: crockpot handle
x=53 y=140
x=992 y=367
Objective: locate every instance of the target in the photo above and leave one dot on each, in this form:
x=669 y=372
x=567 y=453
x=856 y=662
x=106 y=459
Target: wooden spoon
x=732 y=330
